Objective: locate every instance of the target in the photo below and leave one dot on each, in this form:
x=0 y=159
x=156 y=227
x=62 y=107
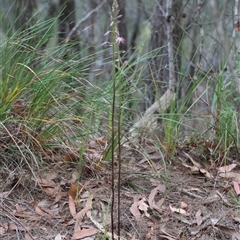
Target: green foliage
x=173 y=119
x=226 y=117
x=34 y=85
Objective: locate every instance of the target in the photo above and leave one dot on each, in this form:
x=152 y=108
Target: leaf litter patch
x=188 y=200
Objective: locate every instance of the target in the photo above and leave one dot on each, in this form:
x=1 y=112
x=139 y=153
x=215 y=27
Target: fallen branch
x=84 y=19
x=159 y=106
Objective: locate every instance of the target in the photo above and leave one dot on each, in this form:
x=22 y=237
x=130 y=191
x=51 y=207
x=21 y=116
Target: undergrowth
x=41 y=93
x=47 y=99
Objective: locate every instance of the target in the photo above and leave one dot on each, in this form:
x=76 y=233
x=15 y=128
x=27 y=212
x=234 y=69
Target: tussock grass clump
x=39 y=93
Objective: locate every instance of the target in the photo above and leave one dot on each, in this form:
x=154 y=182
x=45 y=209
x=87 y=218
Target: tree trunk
x=136 y=28
x=159 y=65
x=25 y=21
x=67 y=21
x=30 y=25
x=24 y=14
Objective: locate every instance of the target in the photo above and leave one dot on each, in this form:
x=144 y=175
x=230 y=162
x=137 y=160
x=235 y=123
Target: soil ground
x=182 y=197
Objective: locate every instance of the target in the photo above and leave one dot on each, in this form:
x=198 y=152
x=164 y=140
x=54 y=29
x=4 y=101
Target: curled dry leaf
x=197 y=167
x=72 y=206
x=206 y=173
x=74 y=190
x=178 y=210
x=134 y=209
x=151 y=201
x=196 y=164
x=150 y=233
x=40 y=211
x=193 y=169
x=143 y=206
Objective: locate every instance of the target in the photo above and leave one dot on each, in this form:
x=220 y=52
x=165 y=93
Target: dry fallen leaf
x=160 y=188
x=227 y=168
x=198 y=217
x=196 y=164
x=84 y=233
x=206 y=173
x=193 y=169
x=52 y=174
x=143 y=206
x=178 y=210
x=20 y=208
x=72 y=206
x=40 y=211
x=44 y=183
x=27 y=236
x=233 y=175
x=74 y=190
x=71 y=157
x=134 y=209
x=55 y=192
x=150 y=233
x=87 y=207
x=151 y=201
x=236 y=187
x=237 y=219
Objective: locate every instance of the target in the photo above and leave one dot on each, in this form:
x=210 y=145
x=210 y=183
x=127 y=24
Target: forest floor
x=193 y=194
x=186 y=196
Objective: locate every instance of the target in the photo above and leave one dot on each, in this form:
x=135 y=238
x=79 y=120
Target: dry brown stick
x=14 y=219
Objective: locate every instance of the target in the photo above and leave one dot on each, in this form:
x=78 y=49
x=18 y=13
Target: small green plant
x=226 y=117
x=172 y=119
